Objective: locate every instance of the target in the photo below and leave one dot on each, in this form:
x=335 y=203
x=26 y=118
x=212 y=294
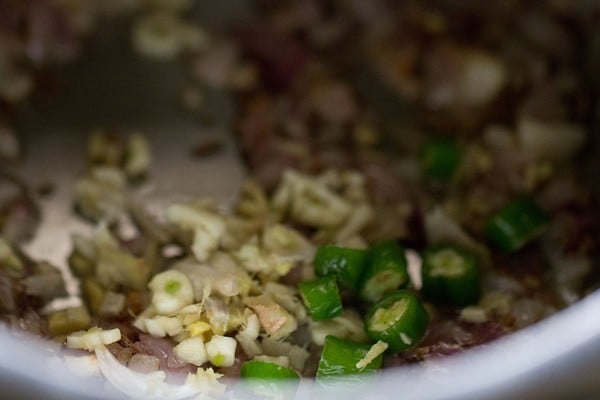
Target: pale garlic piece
x=355 y=187
x=276 y=320
x=310 y=202
x=206 y=381
x=248 y=335
x=161 y=326
x=550 y=140
x=171 y=291
x=217 y=312
x=158 y=35
x=192 y=350
x=287 y=242
x=105 y=149
x=474 y=314
x=253 y=258
x=239 y=231
x=93 y=338
x=253 y=202
x=347 y=326
x=207 y=226
x=220 y=274
x=139 y=156
x=361 y=217
x=101 y=194
x=220 y=350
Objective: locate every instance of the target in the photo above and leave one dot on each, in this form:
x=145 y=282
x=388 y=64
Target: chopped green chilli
x=345 y=263
x=269 y=380
x=385 y=271
x=322 y=298
x=340 y=357
x=516 y=224
x=440 y=159
x=399 y=319
x=450 y=276
x=255 y=369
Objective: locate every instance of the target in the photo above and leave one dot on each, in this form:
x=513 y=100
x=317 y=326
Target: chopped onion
x=277 y=322
x=440 y=228
x=287 y=297
x=297 y=355
x=483 y=76
x=462 y=76
x=527 y=311
x=112 y=303
x=137 y=385
x=207 y=381
x=217 y=65
x=473 y=314
x=139 y=156
x=554 y=140
x=143 y=363
x=348 y=326
x=82 y=366
x=498 y=282
x=250 y=346
x=497 y=302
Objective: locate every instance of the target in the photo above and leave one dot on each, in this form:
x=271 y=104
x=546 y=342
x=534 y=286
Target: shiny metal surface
x=112 y=88
x=555 y=359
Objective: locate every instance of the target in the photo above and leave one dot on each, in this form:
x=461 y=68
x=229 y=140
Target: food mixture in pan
x=415 y=189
